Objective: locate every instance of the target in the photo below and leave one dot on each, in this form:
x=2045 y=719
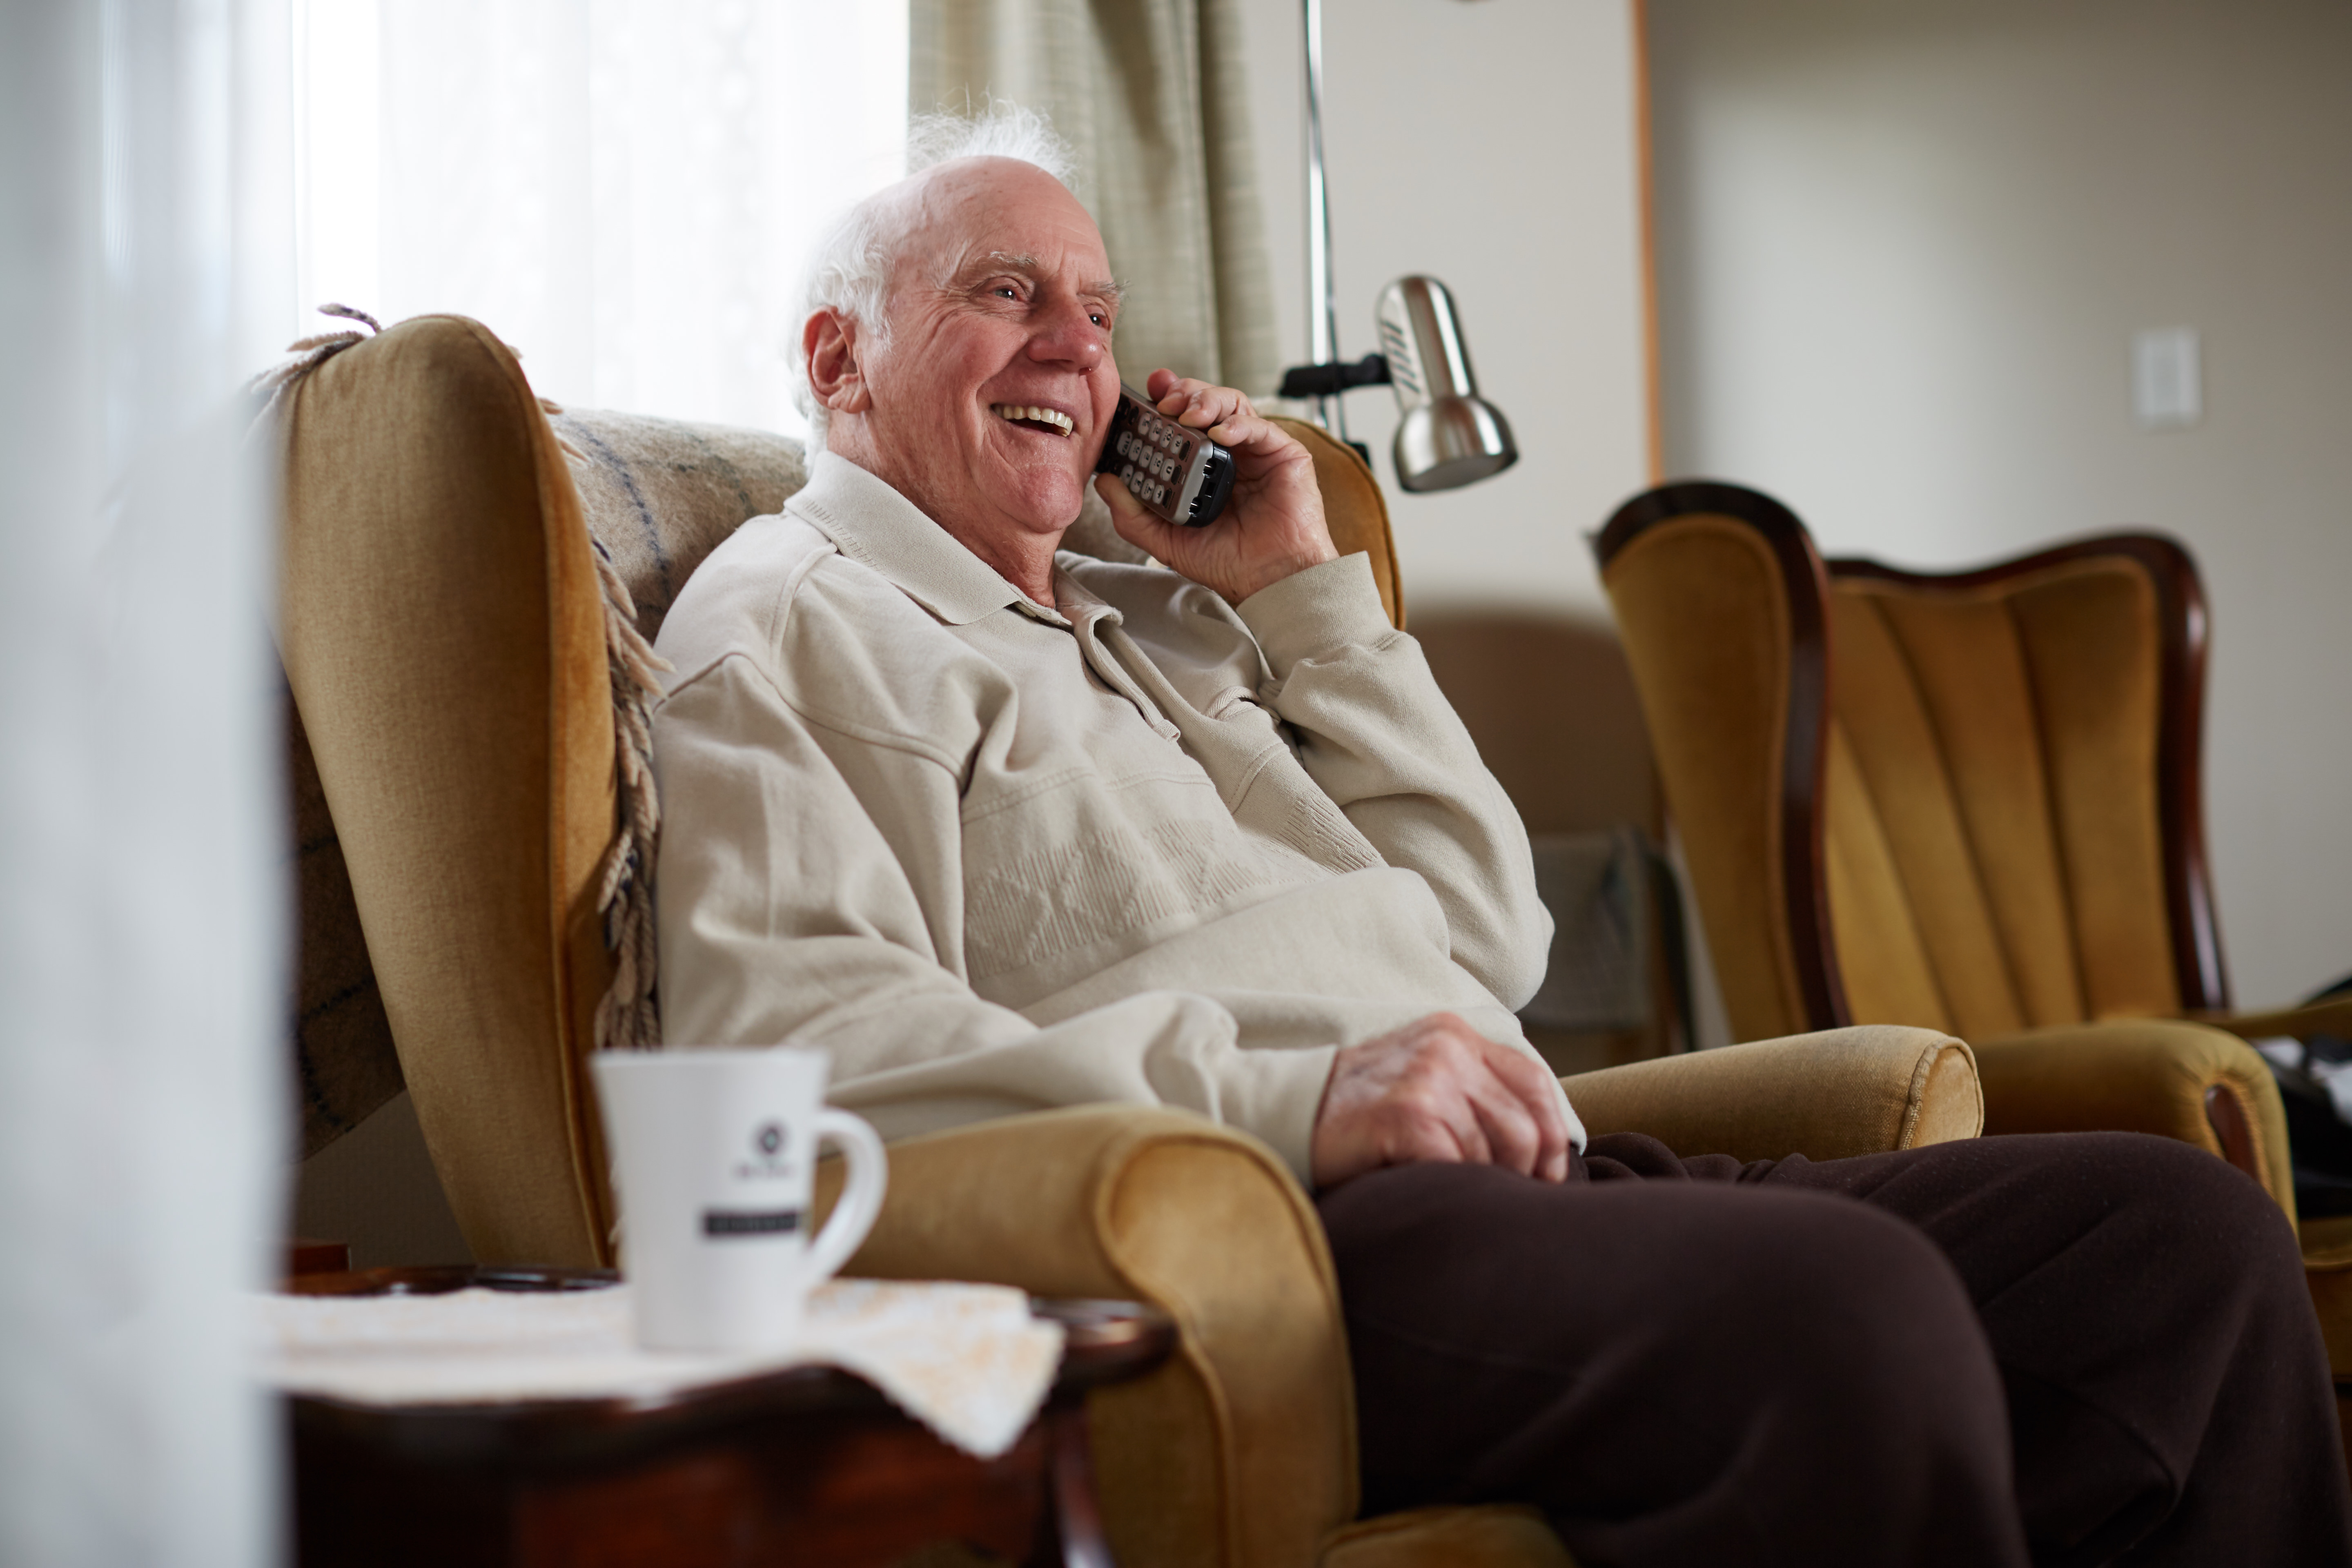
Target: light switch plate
x=2167 y=378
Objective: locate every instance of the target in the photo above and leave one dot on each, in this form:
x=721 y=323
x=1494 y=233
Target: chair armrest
x=1242 y=1449
x=1860 y=1090
x=2331 y=1017
x=2166 y=1076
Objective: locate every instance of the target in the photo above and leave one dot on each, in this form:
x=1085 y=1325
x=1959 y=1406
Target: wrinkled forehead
x=977 y=211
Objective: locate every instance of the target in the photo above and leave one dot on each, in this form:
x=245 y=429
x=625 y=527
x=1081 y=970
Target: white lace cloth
x=968 y=1360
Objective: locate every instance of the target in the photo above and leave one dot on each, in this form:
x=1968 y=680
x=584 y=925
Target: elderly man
x=1001 y=829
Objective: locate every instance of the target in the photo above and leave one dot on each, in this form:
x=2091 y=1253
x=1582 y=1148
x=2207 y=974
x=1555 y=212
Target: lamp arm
x=1326 y=382
x=1322 y=310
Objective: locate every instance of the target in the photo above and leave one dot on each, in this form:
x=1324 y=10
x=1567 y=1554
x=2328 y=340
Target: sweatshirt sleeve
x=811 y=890
x=1378 y=736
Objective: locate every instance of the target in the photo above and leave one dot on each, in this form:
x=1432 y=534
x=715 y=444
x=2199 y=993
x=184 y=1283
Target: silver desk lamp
x=1450 y=436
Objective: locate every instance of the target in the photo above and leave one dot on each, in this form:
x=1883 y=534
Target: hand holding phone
x=1179 y=475
x=1268 y=514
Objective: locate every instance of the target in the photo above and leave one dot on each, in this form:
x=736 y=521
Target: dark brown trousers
x=2066 y=1349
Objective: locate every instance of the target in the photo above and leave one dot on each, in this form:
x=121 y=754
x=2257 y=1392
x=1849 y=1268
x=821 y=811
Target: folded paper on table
x=968 y=1360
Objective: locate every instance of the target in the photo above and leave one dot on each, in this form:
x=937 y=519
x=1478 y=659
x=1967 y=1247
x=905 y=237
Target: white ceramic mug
x=714 y=1155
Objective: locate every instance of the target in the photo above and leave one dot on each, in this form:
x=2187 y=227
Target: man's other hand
x=1438 y=1089
x=1272 y=525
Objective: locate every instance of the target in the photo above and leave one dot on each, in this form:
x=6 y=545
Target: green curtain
x=1152 y=96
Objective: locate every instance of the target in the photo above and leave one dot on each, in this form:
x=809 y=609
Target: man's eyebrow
x=994 y=261
x=1021 y=261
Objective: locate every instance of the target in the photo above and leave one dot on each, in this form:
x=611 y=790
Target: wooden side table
x=806 y=1467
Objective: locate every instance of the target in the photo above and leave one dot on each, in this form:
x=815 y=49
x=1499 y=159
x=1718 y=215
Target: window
x=624 y=190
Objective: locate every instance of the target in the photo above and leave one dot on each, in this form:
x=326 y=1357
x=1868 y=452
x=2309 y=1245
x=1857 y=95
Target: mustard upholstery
x=1243 y=1449
x=2327 y=1267
x=1843 y=1091
x=2329 y=1016
x=2144 y=1074
x=1994 y=834
x=1707 y=635
x=1965 y=802
x=442 y=634
x=1354 y=508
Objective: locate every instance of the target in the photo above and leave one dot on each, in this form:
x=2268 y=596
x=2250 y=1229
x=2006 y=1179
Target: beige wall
x=1902 y=254
x=1492 y=146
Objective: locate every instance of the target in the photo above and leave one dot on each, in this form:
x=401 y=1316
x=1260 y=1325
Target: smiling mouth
x=1051 y=419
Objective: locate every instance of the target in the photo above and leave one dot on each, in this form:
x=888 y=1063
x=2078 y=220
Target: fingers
x=1501 y=1109
x=1272 y=524
x=1226 y=414
x=1438 y=1090
x=1513 y=1137
x=1132 y=520
x=1190 y=401
x=1119 y=499
x=1536 y=1092
x=1427 y=1110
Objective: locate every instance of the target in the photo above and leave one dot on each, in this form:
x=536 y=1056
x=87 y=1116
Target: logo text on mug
x=750 y=1222
x=767 y=1142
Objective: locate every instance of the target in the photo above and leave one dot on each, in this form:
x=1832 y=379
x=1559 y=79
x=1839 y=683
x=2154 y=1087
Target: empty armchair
x=1967 y=801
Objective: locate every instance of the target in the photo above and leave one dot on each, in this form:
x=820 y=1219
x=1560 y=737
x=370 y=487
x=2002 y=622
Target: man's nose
x=1068 y=334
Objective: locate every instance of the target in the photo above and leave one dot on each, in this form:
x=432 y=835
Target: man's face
x=993 y=393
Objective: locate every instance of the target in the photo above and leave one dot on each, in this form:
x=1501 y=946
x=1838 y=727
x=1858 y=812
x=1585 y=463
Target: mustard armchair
x=454 y=644
x=1968 y=801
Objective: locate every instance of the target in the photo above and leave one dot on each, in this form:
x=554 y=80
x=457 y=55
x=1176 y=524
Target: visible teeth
x=1054 y=417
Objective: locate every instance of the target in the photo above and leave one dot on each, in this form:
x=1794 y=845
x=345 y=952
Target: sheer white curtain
x=144 y=1123
x=624 y=190
x=619 y=186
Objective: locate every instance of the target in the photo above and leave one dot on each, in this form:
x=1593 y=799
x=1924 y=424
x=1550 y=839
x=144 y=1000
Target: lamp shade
x=1449 y=435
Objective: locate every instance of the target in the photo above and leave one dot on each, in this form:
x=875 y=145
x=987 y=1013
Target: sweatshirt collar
x=881 y=529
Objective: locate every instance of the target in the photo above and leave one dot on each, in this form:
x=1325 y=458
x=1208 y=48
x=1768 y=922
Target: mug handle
x=861 y=1195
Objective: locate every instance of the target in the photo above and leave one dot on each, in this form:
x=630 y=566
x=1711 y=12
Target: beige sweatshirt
x=993 y=858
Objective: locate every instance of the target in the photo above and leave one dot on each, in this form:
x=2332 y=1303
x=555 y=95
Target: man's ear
x=835 y=373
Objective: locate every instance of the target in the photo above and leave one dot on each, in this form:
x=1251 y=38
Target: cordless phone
x=1178 y=474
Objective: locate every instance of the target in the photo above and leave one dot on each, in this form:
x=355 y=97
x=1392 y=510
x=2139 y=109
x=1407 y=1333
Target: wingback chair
x=453 y=649
x=1965 y=800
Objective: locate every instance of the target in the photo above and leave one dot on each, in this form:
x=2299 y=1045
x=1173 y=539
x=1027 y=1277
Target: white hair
x=849 y=271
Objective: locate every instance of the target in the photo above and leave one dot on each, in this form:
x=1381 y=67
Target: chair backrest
x=1967 y=801
x=443 y=629
x=442 y=633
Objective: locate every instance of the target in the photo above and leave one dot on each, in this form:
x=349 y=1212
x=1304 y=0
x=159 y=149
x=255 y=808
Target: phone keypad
x=1153 y=454
x=1181 y=475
